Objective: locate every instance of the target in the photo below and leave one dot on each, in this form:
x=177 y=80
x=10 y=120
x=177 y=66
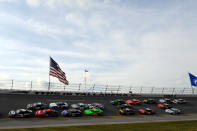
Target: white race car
x=165 y=100
x=179 y=101
x=53 y=106
x=173 y=111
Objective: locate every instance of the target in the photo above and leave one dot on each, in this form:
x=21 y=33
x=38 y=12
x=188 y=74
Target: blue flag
x=193 y=79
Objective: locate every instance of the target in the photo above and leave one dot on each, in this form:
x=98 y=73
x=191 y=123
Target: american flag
x=57 y=72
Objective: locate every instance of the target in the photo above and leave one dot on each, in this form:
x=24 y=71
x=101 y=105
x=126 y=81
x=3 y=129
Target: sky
x=119 y=42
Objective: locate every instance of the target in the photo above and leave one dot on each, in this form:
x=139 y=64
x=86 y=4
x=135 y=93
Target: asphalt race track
x=16 y=101
x=35 y=123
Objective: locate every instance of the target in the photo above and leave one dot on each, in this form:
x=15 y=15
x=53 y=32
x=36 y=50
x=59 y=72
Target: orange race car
x=164 y=106
x=133 y=102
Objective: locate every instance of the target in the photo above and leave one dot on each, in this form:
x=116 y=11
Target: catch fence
x=92 y=88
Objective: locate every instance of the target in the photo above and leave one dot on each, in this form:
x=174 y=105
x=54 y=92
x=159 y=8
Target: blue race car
x=71 y=112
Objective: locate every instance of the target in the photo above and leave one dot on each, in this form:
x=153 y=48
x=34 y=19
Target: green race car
x=93 y=112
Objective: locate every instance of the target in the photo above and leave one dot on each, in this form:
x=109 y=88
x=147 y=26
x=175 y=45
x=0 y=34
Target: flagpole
x=49 y=74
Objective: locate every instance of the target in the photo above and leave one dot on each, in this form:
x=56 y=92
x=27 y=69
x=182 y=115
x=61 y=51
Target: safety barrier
x=43 y=88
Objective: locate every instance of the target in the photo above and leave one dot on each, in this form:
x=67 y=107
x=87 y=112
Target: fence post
x=141 y=90
x=93 y=88
x=192 y=90
x=162 y=90
x=31 y=86
x=173 y=91
x=183 y=91
x=152 y=90
x=130 y=89
x=106 y=89
x=118 y=89
x=12 y=85
x=79 y=86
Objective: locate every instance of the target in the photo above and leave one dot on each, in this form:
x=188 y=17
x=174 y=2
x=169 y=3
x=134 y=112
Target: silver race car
x=173 y=111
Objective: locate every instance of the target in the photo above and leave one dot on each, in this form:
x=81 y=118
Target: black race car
x=20 y=113
x=117 y=102
x=37 y=106
x=127 y=110
x=149 y=101
x=62 y=105
x=98 y=105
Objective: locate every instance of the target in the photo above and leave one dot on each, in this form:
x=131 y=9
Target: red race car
x=133 y=102
x=164 y=106
x=46 y=112
x=146 y=111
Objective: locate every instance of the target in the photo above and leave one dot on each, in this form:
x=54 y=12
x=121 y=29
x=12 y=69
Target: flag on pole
x=193 y=80
x=56 y=71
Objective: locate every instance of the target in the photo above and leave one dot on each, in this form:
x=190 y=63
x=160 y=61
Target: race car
x=20 y=113
x=165 y=100
x=173 y=111
x=98 y=105
x=74 y=106
x=127 y=110
x=133 y=102
x=179 y=101
x=46 y=113
x=37 y=106
x=62 y=105
x=146 y=111
x=164 y=106
x=83 y=106
x=93 y=112
x=71 y=112
x=53 y=106
x=149 y=101
x=117 y=102
x=124 y=105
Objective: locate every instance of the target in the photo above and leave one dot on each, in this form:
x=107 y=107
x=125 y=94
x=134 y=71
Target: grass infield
x=152 y=126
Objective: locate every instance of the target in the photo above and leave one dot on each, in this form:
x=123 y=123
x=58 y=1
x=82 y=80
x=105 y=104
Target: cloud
x=9 y=1
x=126 y=43
x=83 y=4
x=33 y=3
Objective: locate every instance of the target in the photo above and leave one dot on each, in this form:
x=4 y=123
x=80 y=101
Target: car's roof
x=22 y=109
x=147 y=108
x=53 y=104
x=75 y=105
x=60 y=102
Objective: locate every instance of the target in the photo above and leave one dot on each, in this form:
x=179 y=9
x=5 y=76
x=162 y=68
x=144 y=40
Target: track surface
x=15 y=101
x=35 y=123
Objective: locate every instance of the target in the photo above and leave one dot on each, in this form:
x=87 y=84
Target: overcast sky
x=123 y=42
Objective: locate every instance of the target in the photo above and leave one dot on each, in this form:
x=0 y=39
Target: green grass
x=154 y=126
